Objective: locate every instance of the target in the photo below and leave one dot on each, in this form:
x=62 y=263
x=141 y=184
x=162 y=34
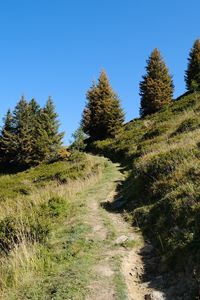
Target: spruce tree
x=102 y=116
x=23 y=132
x=156 y=88
x=39 y=136
x=50 y=129
x=192 y=74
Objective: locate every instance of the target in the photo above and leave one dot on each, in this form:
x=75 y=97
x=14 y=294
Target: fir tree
x=102 y=116
x=156 y=88
x=192 y=74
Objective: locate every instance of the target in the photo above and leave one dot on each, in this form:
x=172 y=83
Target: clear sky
x=58 y=47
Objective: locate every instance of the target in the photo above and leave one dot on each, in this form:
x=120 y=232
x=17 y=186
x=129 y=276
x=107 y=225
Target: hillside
x=161 y=194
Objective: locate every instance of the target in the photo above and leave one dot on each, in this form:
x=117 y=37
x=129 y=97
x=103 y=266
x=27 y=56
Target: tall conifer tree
x=102 y=116
x=192 y=74
x=51 y=125
x=23 y=132
x=156 y=88
x=39 y=136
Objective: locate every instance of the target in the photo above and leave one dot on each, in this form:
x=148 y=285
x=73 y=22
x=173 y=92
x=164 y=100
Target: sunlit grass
x=32 y=224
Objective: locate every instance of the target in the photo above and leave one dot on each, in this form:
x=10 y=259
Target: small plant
x=63 y=153
x=57 y=206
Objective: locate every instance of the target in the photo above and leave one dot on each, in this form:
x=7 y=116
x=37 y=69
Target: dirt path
x=120 y=268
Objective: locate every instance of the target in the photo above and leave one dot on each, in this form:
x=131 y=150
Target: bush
x=9 y=233
x=14 y=230
x=36 y=228
x=188 y=125
x=63 y=154
x=154 y=132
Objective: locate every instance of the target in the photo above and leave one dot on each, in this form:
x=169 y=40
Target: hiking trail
x=119 y=273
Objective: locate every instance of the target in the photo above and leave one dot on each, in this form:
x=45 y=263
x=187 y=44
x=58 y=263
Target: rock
x=121 y=240
x=155 y=295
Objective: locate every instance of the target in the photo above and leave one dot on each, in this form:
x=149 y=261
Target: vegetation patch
x=44 y=252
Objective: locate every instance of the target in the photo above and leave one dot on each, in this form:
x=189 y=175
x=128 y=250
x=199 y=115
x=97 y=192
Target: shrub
x=36 y=228
x=9 y=233
x=14 y=230
x=63 y=153
x=154 y=132
x=188 y=125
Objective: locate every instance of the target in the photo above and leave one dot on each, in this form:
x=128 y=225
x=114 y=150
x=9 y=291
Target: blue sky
x=58 y=47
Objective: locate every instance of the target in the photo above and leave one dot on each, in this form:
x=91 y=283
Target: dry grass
x=28 y=258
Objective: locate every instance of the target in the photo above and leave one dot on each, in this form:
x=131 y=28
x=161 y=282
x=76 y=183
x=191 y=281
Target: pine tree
x=192 y=74
x=156 y=88
x=102 y=116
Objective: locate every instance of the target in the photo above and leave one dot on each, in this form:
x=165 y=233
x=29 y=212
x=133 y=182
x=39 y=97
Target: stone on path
x=121 y=239
x=155 y=295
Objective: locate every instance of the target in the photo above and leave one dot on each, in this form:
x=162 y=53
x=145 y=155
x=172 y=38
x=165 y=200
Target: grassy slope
x=44 y=253
x=163 y=188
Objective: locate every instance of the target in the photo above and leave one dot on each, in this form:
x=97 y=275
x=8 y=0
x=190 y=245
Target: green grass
x=130 y=244
x=109 y=225
x=24 y=183
x=120 y=285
